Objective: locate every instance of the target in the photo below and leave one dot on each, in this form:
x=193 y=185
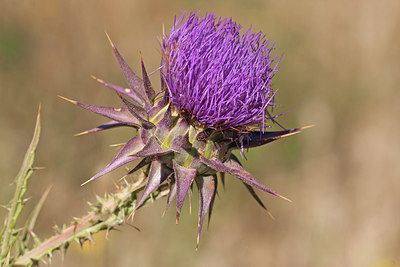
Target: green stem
x=7 y=235
x=107 y=213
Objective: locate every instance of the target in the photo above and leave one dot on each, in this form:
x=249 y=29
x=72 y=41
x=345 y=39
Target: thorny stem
x=107 y=213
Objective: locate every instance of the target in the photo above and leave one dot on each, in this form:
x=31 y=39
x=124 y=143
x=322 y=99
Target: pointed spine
x=135 y=83
x=184 y=178
x=146 y=81
x=126 y=91
x=124 y=156
x=157 y=175
x=121 y=115
x=207 y=188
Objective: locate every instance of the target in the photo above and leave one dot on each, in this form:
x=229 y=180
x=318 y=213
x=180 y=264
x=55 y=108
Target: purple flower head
x=214 y=77
x=217 y=75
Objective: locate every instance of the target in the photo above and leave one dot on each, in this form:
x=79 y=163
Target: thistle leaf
x=8 y=234
x=30 y=223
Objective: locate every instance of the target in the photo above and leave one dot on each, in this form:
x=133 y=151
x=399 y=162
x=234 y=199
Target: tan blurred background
x=340 y=71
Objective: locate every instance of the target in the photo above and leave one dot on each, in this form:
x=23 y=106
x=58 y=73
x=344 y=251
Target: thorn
x=283 y=198
x=5 y=207
x=270 y=215
x=87 y=181
x=108 y=232
x=289 y=134
x=69 y=100
x=91 y=238
x=123 y=179
x=38 y=168
x=134 y=227
x=109 y=39
x=117 y=145
x=39 y=109
x=197 y=241
x=81 y=133
x=116 y=185
x=306 y=127
x=131 y=215
x=97 y=79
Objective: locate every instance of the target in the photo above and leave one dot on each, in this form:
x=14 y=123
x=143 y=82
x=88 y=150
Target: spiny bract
x=215 y=91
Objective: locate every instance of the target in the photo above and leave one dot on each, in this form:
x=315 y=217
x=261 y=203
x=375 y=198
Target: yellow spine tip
x=81 y=133
x=306 y=127
x=285 y=198
x=87 y=182
x=270 y=215
x=69 y=100
x=109 y=39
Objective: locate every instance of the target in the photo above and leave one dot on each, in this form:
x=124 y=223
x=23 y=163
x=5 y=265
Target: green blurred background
x=340 y=71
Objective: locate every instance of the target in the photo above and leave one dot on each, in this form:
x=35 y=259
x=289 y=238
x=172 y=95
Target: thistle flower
x=215 y=95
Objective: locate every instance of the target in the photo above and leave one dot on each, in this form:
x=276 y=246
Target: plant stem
x=107 y=213
x=8 y=235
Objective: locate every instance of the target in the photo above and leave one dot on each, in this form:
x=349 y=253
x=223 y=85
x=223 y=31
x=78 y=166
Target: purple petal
x=218 y=74
x=157 y=174
x=207 y=189
x=124 y=156
x=184 y=178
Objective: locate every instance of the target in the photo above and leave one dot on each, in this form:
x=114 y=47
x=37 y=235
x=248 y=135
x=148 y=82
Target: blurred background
x=340 y=72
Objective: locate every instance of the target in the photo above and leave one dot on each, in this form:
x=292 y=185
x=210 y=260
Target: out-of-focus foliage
x=339 y=72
